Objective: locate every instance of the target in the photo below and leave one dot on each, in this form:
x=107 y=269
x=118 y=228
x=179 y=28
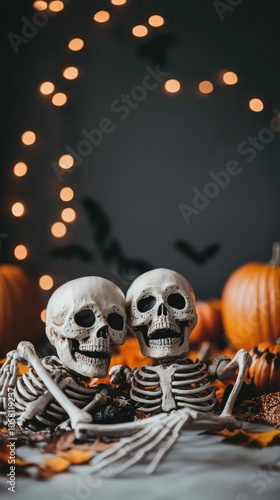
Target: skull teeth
x=167 y=341
x=164 y=324
x=86 y=351
x=87 y=359
x=92 y=347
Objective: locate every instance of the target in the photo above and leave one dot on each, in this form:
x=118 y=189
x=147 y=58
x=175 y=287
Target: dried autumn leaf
x=76 y=456
x=52 y=466
x=67 y=441
x=266 y=438
x=243 y=438
x=61 y=463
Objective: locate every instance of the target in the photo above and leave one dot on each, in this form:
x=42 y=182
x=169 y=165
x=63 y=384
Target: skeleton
x=85 y=319
x=161 y=310
x=173 y=392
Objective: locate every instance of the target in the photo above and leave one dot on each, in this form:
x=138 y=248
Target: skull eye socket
x=146 y=304
x=115 y=321
x=85 y=318
x=176 y=300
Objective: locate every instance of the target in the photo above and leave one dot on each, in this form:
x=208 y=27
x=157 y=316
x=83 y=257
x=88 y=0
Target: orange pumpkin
x=209 y=325
x=251 y=303
x=264 y=372
x=20 y=306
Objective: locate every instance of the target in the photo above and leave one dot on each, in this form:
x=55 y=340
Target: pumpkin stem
x=275 y=259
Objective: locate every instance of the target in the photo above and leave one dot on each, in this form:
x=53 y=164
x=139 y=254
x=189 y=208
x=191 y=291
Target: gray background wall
x=165 y=148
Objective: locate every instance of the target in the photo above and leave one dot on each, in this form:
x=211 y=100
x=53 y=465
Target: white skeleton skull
x=161 y=312
x=85 y=318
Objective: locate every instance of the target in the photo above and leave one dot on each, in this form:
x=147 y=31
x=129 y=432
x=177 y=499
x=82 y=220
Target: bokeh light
x=139 y=30
x=47 y=88
x=18 y=209
x=70 y=73
x=20 y=169
x=230 y=78
x=172 y=86
x=28 y=138
x=206 y=87
x=58 y=230
x=59 y=99
x=118 y=2
x=20 y=252
x=102 y=16
x=68 y=215
x=40 y=5
x=66 y=161
x=156 y=21
x=66 y=194
x=43 y=315
x=56 y=6
x=46 y=282
x=76 y=44
x=256 y=105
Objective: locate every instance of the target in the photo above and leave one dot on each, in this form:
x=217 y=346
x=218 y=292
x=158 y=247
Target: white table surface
x=199 y=467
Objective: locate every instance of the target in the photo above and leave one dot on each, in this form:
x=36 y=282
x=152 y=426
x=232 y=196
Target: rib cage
x=168 y=387
x=35 y=403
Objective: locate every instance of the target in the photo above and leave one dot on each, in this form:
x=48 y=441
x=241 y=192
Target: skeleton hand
x=8 y=377
x=189 y=413
x=120 y=375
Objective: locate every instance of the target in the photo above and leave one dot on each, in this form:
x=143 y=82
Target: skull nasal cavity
x=102 y=333
x=162 y=311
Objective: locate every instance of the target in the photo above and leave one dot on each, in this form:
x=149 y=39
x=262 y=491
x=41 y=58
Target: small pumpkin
x=251 y=303
x=209 y=324
x=264 y=372
x=20 y=306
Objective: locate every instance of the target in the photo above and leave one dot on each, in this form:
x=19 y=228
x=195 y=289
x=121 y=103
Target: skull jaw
x=165 y=347
x=96 y=367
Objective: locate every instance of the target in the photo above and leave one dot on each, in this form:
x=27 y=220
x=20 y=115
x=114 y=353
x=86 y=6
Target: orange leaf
x=52 y=466
x=266 y=438
x=58 y=464
x=76 y=456
x=243 y=438
x=67 y=442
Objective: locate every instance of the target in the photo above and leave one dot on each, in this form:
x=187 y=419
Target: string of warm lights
x=58 y=98
x=54 y=6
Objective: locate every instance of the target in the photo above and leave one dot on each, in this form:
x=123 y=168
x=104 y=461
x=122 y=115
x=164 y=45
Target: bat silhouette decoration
x=108 y=247
x=199 y=257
